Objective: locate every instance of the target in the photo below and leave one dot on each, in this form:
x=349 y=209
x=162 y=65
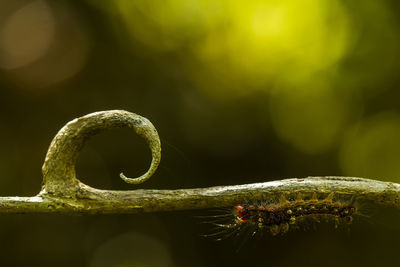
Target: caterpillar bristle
x=329 y=198
x=299 y=198
x=314 y=197
x=284 y=200
x=283 y=215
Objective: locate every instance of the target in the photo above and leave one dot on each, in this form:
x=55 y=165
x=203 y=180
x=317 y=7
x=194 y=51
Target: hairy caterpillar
x=280 y=216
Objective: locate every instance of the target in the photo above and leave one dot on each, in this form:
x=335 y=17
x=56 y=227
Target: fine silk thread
x=281 y=216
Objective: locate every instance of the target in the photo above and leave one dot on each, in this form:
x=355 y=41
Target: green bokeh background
x=239 y=92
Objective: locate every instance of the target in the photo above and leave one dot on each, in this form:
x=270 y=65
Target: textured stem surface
x=64 y=193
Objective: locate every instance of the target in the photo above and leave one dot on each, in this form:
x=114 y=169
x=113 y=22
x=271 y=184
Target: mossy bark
x=62 y=192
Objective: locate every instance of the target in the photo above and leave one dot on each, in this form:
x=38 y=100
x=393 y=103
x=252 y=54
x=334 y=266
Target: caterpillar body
x=280 y=216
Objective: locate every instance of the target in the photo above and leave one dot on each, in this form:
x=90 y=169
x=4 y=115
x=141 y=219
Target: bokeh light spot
x=132 y=250
x=42 y=45
x=237 y=49
x=309 y=119
x=26 y=35
x=371 y=148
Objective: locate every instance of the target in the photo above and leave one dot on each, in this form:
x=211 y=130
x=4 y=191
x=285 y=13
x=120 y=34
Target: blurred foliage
x=239 y=93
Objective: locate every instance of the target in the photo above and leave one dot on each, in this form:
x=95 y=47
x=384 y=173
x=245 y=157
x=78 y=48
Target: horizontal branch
x=94 y=201
x=64 y=193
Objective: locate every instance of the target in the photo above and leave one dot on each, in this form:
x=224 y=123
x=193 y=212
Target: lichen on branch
x=62 y=191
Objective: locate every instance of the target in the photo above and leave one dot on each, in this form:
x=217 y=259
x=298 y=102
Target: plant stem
x=63 y=193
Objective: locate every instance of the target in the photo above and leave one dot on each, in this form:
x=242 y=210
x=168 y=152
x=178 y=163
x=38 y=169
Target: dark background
x=239 y=93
